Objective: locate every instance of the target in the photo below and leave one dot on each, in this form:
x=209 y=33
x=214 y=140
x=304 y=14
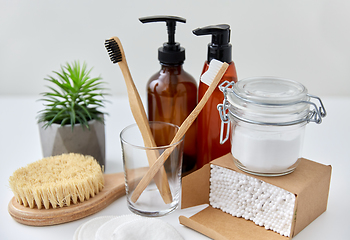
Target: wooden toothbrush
x=212 y=77
x=116 y=54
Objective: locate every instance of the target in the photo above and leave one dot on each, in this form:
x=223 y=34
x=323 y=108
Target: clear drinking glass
x=137 y=159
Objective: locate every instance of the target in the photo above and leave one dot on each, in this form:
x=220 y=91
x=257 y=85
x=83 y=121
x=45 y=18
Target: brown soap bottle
x=209 y=122
x=172 y=92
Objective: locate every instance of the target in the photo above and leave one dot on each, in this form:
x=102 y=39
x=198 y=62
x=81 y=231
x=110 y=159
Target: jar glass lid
x=270 y=90
x=268 y=100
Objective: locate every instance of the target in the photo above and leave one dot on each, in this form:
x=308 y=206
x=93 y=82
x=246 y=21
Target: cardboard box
x=309 y=182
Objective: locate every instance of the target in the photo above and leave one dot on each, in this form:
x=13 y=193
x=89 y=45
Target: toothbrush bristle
x=113 y=50
x=210 y=74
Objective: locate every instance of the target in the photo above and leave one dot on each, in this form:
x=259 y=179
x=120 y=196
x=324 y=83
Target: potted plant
x=71 y=120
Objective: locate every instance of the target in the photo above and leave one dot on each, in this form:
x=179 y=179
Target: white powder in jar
x=267 y=149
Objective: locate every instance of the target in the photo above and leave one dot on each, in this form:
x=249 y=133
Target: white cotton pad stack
x=106 y=230
x=253 y=199
x=126 y=227
x=87 y=230
x=146 y=228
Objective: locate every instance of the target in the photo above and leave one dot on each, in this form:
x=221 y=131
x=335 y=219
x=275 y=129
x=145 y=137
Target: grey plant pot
x=57 y=139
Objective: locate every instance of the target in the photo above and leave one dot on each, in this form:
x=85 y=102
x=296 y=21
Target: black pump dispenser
x=171 y=53
x=220 y=47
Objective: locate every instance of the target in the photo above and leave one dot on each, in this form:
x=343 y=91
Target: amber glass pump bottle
x=172 y=92
x=209 y=122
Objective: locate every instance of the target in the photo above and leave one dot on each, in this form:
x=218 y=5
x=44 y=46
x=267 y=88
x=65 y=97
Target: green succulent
x=76 y=98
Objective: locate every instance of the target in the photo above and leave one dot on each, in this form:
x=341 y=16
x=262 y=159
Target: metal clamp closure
x=318 y=113
x=223 y=110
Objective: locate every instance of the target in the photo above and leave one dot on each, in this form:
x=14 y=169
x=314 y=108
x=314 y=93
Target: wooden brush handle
x=179 y=135
x=140 y=117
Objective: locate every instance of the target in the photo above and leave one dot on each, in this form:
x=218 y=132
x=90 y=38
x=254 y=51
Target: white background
x=304 y=40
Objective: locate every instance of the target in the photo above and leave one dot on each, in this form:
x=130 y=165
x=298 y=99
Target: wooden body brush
x=116 y=53
x=212 y=77
x=63 y=188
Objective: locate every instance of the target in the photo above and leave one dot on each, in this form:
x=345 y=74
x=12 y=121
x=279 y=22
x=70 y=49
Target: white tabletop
x=328 y=143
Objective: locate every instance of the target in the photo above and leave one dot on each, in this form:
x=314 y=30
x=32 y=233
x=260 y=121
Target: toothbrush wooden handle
x=137 y=107
x=140 y=117
x=179 y=135
x=194 y=114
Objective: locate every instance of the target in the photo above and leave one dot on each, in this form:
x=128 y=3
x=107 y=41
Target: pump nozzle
x=171 y=52
x=220 y=47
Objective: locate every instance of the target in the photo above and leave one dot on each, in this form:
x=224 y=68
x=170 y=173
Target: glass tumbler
x=162 y=194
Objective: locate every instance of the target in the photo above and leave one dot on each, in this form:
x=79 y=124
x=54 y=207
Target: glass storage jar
x=268 y=116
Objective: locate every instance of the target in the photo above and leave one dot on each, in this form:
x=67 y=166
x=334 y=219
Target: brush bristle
x=113 y=50
x=209 y=75
x=57 y=181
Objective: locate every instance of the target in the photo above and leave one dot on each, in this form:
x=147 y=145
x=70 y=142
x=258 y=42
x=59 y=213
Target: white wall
x=304 y=40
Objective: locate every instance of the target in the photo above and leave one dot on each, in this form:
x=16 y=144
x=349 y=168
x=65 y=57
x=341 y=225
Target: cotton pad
x=105 y=232
x=76 y=233
x=87 y=230
x=146 y=228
